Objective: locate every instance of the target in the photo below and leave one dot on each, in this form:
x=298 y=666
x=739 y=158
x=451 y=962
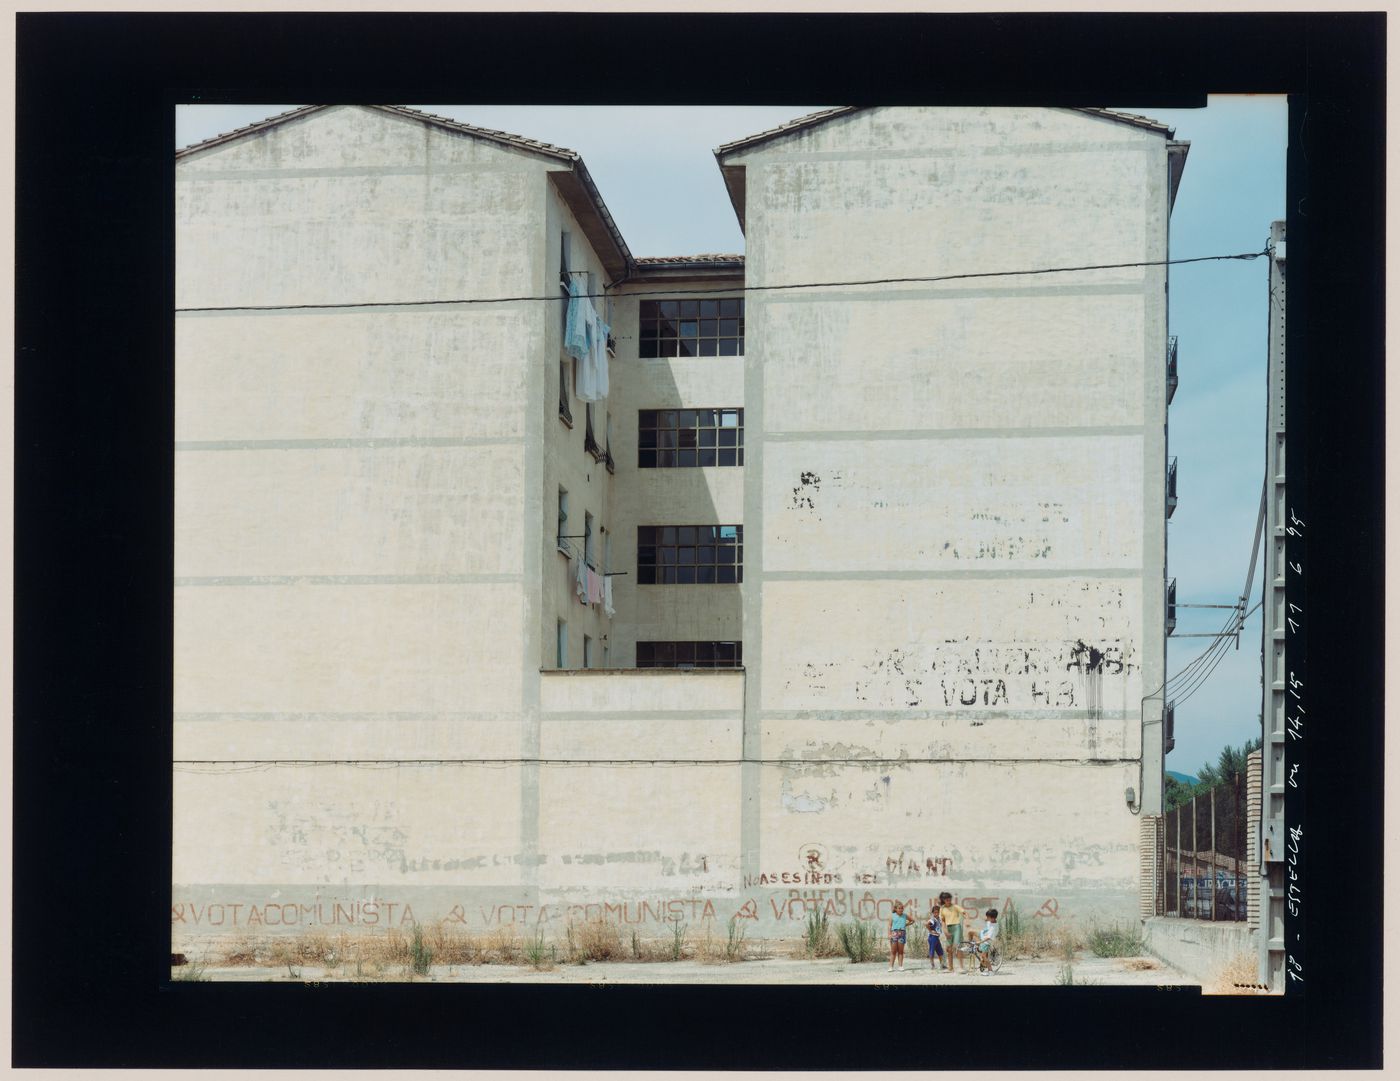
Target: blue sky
x=656 y=170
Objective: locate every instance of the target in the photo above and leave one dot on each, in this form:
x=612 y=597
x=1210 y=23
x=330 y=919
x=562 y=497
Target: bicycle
x=971 y=955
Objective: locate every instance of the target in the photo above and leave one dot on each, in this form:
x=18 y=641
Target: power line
x=560 y=298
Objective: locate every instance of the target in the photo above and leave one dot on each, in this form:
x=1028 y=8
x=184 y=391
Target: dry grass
x=1238 y=976
x=1042 y=938
x=1140 y=964
x=453 y=947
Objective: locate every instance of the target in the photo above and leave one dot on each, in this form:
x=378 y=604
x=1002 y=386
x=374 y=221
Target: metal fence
x=1205 y=860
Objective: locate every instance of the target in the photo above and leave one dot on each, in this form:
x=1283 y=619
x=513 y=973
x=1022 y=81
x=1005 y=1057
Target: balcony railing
x=1171 y=368
x=1171 y=606
x=1171 y=487
x=1169 y=728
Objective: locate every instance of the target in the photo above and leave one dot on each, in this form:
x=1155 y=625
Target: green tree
x=1232 y=760
x=1177 y=793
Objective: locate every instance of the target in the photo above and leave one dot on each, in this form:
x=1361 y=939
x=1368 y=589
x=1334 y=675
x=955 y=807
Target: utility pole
x=1271 y=820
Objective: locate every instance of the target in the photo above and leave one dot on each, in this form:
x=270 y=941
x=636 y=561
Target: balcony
x=1171 y=486
x=1169 y=728
x=1171 y=368
x=1171 y=606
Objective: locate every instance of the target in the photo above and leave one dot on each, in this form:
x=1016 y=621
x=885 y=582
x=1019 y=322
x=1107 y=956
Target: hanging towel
x=576 y=323
x=595 y=587
x=607 y=596
x=581 y=581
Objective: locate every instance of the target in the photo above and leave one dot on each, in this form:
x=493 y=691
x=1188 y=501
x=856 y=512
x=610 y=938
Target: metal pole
x=1213 y=878
x=1237 y=855
x=1176 y=901
x=1195 y=857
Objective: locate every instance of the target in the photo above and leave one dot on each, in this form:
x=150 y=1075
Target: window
x=561 y=644
x=563 y=533
x=677 y=438
x=565 y=413
x=587 y=652
x=690 y=654
x=590 y=441
x=690 y=554
x=588 y=539
x=607 y=444
x=606 y=651
x=691 y=328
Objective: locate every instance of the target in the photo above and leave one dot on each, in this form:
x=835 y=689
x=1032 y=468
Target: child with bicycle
x=985 y=941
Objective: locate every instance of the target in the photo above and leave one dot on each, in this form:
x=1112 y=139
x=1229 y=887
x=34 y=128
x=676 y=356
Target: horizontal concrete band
x=643 y=715
x=213 y=716
x=959 y=150
x=980 y=716
x=798 y=293
x=197 y=175
x=376 y=443
x=874 y=435
x=553 y=715
x=427 y=306
x=351 y=580
x=754 y=574
x=871 y=760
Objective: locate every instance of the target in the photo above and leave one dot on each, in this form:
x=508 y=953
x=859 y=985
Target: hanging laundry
x=595 y=587
x=581 y=573
x=585 y=338
x=576 y=322
x=607 y=596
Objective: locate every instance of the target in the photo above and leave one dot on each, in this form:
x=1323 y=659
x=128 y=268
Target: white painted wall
x=949 y=488
x=955 y=493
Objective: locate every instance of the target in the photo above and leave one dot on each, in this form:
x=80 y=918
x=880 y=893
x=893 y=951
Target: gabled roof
x=734 y=174
x=813 y=119
x=575 y=183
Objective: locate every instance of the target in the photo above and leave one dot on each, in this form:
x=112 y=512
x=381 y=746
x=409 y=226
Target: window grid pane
x=684 y=438
x=690 y=654
x=691 y=328
x=690 y=555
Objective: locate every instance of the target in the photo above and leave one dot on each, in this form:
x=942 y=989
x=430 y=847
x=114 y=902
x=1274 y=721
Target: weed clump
x=734 y=947
x=1116 y=941
x=420 y=952
x=860 y=940
x=817 y=940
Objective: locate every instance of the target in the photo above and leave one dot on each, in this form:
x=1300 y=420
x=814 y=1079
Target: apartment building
x=884 y=527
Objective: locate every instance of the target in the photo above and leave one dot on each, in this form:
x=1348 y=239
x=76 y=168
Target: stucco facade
x=952 y=504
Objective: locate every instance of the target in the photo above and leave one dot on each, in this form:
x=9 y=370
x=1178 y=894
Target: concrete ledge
x=1199 y=948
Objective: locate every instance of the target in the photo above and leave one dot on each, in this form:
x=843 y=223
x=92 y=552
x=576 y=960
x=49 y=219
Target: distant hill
x=1184 y=778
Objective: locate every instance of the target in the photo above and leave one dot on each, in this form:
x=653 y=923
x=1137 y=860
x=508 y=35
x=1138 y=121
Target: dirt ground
x=1087 y=971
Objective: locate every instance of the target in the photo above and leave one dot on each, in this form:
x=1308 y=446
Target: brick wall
x=1150 y=865
x=1253 y=803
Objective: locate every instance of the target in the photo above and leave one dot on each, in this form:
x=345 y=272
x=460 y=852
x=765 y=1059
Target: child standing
x=898 y=932
x=952 y=917
x=935 y=939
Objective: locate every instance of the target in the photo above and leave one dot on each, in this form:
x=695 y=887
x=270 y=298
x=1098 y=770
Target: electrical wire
x=671 y=292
